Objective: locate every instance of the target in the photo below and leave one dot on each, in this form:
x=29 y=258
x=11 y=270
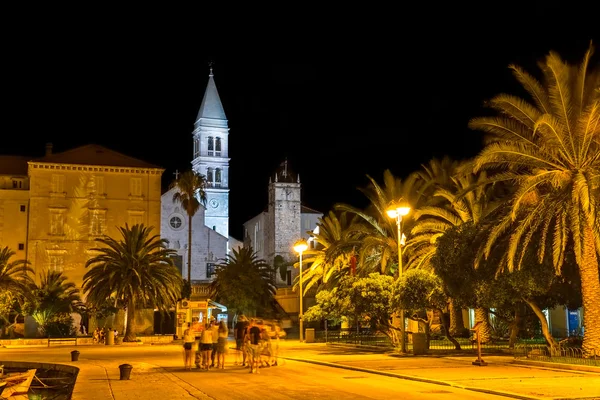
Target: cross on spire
x=176 y=173
x=210 y=65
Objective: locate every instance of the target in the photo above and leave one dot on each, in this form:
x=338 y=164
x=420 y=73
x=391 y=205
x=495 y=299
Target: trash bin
x=125 y=371
x=419 y=342
x=109 y=337
x=75 y=355
x=309 y=336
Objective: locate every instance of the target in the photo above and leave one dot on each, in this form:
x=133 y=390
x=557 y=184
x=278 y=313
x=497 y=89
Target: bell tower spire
x=211 y=156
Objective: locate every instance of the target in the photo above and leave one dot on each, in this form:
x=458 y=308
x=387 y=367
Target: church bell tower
x=211 y=157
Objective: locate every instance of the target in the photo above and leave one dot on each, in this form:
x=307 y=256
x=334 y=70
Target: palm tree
x=15 y=282
x=550 y=150
x=190 y=194
x=330 y=259
x=55 y=296
x=379 y=249
x=137 y=270
x=467 y=199
x=243 y=281
x=14 y=275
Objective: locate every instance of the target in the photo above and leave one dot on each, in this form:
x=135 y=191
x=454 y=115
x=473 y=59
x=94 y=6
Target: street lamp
x=396 y=212
x=299 y=247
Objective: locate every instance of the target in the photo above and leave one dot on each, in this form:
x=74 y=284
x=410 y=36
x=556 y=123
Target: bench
x=62 y=340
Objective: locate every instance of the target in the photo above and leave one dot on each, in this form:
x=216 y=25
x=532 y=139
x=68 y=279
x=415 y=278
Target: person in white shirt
x=206 y=346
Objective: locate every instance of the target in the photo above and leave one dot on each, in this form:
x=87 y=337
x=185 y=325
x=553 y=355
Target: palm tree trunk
x=545 y=330
x=485 y=330
x=130 y=330
x=457 y=324
x=590 y=293
x=189 y=275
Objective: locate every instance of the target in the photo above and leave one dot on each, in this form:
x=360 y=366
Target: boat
x=16 y=385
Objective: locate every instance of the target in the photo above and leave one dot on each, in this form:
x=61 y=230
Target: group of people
x=211 y=346
x=99 y=335
x=253 y=344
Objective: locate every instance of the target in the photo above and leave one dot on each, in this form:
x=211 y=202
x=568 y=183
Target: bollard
x=74 y=355
x=125 y=371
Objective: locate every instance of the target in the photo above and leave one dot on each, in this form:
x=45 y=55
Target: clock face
x=213 y=203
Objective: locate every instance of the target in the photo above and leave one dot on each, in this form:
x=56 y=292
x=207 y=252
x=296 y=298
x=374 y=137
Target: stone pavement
x=99 y=377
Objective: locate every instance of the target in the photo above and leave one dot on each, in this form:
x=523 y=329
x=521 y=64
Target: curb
x=416 y=378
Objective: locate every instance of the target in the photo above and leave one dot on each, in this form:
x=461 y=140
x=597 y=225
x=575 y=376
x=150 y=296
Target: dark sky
x=340 y=95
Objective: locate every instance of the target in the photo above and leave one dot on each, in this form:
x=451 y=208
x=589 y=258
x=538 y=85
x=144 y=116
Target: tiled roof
x=13 y=165
x=93 y=154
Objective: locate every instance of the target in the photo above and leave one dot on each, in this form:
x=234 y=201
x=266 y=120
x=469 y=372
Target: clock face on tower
x=214 y=203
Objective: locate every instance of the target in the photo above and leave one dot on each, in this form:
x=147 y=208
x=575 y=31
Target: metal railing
x=560 y=354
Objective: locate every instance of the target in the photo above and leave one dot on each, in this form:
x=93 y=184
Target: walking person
x=239 y=333
x=223 y=334
x=188 y=344
x=214 y=326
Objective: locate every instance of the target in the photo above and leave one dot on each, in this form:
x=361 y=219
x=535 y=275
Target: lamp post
x=397 y=212
x=299 y=247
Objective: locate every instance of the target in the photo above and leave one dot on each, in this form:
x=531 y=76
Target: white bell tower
x=211 y=157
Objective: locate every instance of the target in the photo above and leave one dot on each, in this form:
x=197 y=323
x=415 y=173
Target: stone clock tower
x=283 y=220
x=211 y=157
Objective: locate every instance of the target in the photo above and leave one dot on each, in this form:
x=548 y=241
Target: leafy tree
x=190 y=193
x=243 y=282
x=136 y=270
x=367 y=300
x=549 y=147
x=419 y=291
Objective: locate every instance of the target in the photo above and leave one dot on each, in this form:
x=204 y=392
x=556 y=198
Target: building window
x=57 y=222
x=23 y=208
x=136 y=186
x=175 y=222
x=210 y=270
x=218 y=147
x=211 y=146
x=56 y=263
x=21 y=246
x=99 y=184
x=196 y=147
x=218 y=177
x=209 y=176
x=58 y=184
x=288 y=278
x=17 y=184
x=97 y=222
x=136 y=218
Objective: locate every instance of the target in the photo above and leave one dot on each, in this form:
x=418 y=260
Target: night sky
x=340 y=96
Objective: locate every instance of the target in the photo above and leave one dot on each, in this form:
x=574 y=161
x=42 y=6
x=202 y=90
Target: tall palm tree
x=467 y=199
x=330 y=259
x=549 y=147
x=379 y=249
x=137 y=270
x=190 y=193
x=14 y=275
